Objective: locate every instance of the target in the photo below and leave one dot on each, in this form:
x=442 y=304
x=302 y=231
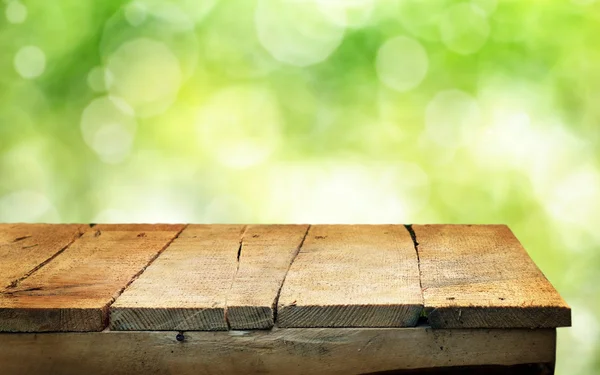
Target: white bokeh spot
x=347 y=13
x=296 y=32
x=15 y=12
x=146 y=74
x=108 y=126
x=464 y=28
x=96 y=79
x=135 y=13
x=30 y=62
x=401 y=63
x=420 y=18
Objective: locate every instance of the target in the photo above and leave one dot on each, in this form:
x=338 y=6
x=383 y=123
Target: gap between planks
x=15 y=283
x=218 y=290
x=413 y=237
x=137 y=275
x=27 y=313
x=239 y=255
x=353 y=276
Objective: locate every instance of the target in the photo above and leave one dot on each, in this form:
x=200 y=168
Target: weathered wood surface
x=266 y=255
x=219 y=277
x=26 y=247
x=278 y=351
x=74 y=290
x=477 y=276
x=521 y=369
x=187 y=287
x=352 y=276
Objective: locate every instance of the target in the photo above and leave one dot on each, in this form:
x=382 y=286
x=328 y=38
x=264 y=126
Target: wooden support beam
x=278 y=351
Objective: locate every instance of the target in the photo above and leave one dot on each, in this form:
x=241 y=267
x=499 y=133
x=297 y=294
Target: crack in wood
x=423 y=317
x=15 y=283
x=137 y=275
x=21 y=238
x=276 y=302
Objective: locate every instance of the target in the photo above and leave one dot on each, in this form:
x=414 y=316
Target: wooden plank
x=73 y=291
x=186 y=288
x=352 y=276
x=266 y=255
x=277 y=351
x=478 y=276
x=26 y=247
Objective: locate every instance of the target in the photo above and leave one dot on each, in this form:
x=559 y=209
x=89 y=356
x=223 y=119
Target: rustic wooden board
x=73 y=291
x=352 y=276
x=216 y=277
x=26 y=247
x=278 y=351
x=187 y=287
x=477 y=276
x=266 y=255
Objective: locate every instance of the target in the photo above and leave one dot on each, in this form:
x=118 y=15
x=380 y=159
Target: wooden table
x=291 y=299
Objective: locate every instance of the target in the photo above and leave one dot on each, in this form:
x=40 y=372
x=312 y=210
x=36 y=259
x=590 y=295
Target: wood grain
x=186 y=288
x=266 y=255
x=73 y=291
x=352 y=276
x=278 y=351
x=478 y=276
x=26 y=247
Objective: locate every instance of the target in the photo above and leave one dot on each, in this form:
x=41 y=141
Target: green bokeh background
x=316 y=111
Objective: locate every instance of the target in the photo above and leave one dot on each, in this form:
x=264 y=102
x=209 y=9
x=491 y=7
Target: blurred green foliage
x=478 y=111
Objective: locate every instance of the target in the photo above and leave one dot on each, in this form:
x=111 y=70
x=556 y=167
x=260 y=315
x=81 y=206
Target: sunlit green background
x=367 y=111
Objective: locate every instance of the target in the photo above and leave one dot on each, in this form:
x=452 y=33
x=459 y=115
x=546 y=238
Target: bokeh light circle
x=135 y=13
x=347 y=13
x=108 y=126
x=464 y=28
x=145 y=40
x=96 y=79
x=234 y=46
x=15 y=12
x=421 y=18
x=296 y=32
x=30 y=62
x=146 y=74
x=401 y=63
